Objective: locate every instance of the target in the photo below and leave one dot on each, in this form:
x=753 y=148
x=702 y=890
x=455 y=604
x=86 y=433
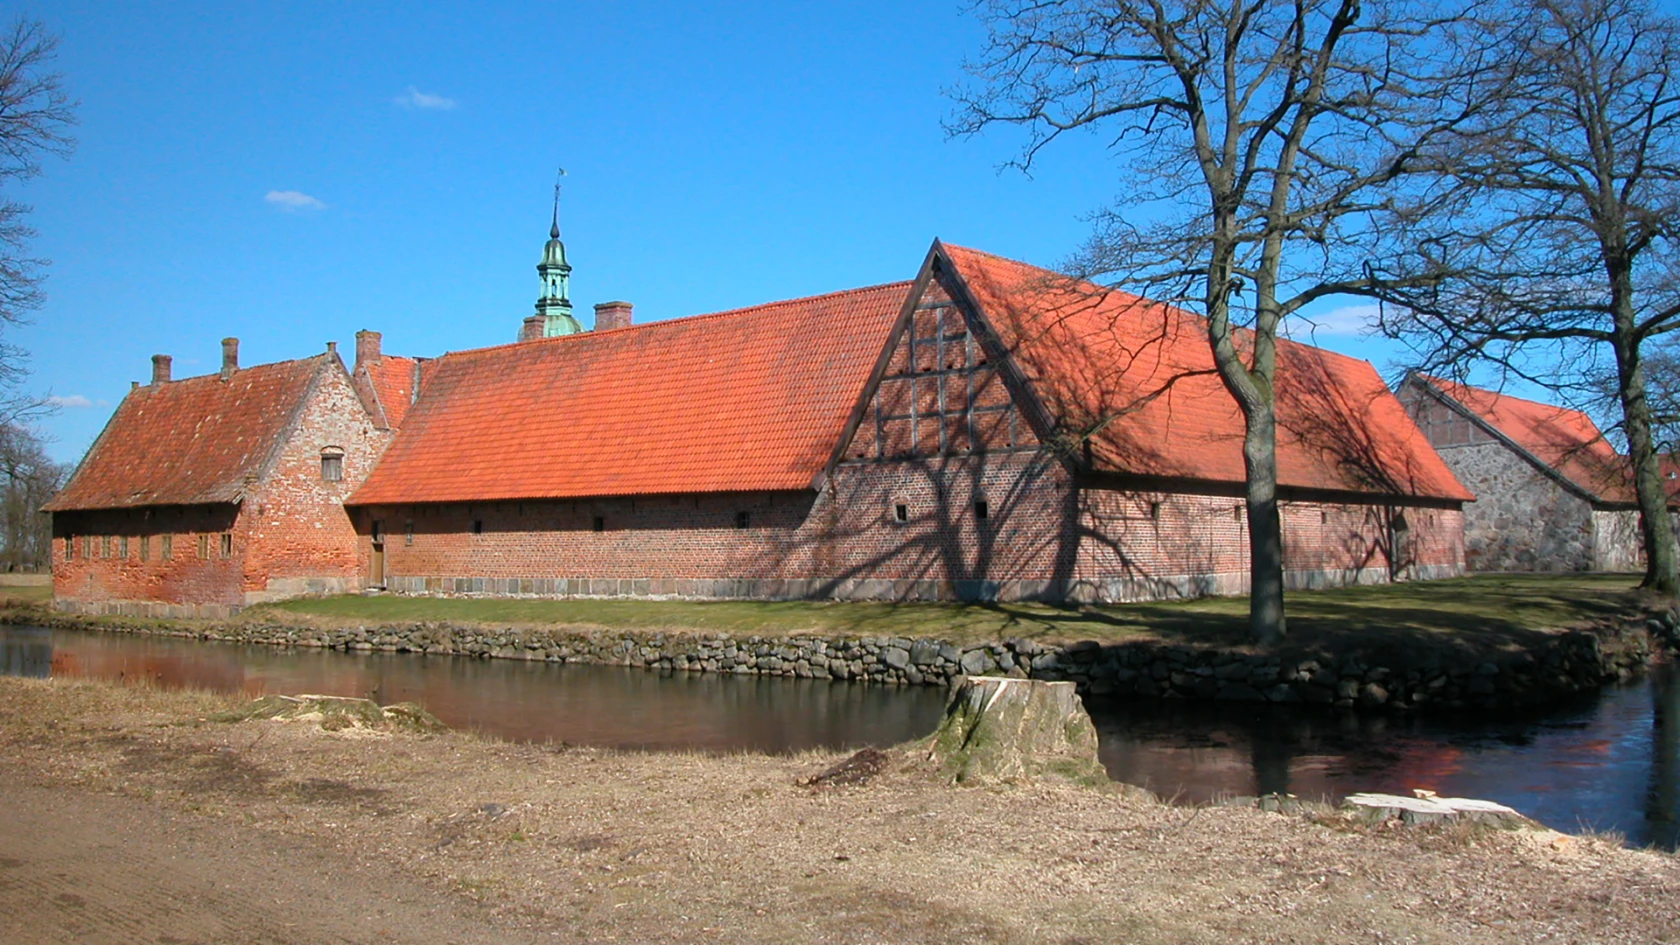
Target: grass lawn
x=28 y=595
x=1487 y=613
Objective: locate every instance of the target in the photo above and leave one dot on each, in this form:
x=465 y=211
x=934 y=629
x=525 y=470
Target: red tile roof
x=1142 y=375
x=386 y=385
x=748 y=400
x=190 y=441
x=1565 y=440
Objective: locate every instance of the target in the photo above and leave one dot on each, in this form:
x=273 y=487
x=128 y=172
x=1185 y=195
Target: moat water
x=1606 y=762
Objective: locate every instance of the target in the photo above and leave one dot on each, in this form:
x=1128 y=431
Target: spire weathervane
x=555 y=303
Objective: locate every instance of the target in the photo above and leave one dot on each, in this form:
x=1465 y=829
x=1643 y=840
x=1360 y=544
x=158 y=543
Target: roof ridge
x=218 y=376
x=1561 y=409
x=679 y=320
x=1146 y=300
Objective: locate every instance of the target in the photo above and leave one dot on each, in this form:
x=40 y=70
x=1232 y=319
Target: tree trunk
x=1265 y=527
x=998 y=729
x=1656 y=529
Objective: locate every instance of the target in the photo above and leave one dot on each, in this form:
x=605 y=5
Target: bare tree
x=35 y=114
x=28 y=478
x=1557 y=222
x=1261 y=137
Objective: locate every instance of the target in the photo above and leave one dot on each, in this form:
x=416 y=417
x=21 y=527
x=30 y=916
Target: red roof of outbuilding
x=1566 y=440
x=749 y=400
x=1141 y=375
x=190 y=441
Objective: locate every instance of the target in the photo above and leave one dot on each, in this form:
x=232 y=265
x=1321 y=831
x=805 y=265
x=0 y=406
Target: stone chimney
x=610 y=315
x=160 y=368
x=230 y=357
x=367 y=347
x=532 y=328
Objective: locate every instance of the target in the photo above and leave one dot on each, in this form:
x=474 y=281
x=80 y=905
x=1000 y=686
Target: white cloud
x=1349 y=321
x=72 y=401
x=414 y=98
x=293 y=200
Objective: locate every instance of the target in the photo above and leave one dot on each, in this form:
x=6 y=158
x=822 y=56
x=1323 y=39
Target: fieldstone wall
x=1563 y=664
x=1522 y=520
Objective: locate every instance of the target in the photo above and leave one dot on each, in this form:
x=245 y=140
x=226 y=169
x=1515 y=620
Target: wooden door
x=376 y=572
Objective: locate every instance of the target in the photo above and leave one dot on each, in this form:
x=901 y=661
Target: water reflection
x=592 y=705
x=1611 y=762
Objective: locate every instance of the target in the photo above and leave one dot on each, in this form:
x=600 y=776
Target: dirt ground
x=131 y=817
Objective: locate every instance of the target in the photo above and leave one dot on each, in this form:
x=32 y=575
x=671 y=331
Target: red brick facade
x=287 y=534
x=1042 y=537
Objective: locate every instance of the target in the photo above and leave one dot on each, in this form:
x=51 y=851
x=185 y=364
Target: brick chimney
x=610 y=315
x=160 y=368
x=532 y=328
x=367 y=347
x=230 y=357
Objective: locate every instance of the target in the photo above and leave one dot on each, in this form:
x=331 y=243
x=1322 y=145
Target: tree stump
x=1015 y=730
x=1426 y=808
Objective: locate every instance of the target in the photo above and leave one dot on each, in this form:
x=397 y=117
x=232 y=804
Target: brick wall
x=124 y=560
x=1041 y=537
x=302 y=540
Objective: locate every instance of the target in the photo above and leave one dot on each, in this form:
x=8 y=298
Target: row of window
x=122 y=546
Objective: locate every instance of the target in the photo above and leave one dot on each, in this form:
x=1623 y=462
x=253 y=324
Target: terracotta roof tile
x=189 y=441
x=1566 y=440
x=1141 y=374
x=386 y=384
x=753 y=399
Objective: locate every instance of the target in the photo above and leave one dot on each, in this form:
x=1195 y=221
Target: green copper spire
x=555 y=303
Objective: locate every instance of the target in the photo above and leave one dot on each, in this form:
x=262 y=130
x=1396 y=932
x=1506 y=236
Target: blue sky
x=288 y=174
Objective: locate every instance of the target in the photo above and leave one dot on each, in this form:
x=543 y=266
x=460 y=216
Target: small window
x=203 y=546
x=743 y=519
x=478 y=526
x=145 y=547
x=106 y=547
x=600 y=523
x=901 y=514
x=166 y=547
x=122 y=547
x=376 y=530
x=981 y=512
x=408 y=532
x=227 y=544
x=1323 y=516
x=69 y=547
x=1236 y=513
x=332 y=465
x=1154 y=511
